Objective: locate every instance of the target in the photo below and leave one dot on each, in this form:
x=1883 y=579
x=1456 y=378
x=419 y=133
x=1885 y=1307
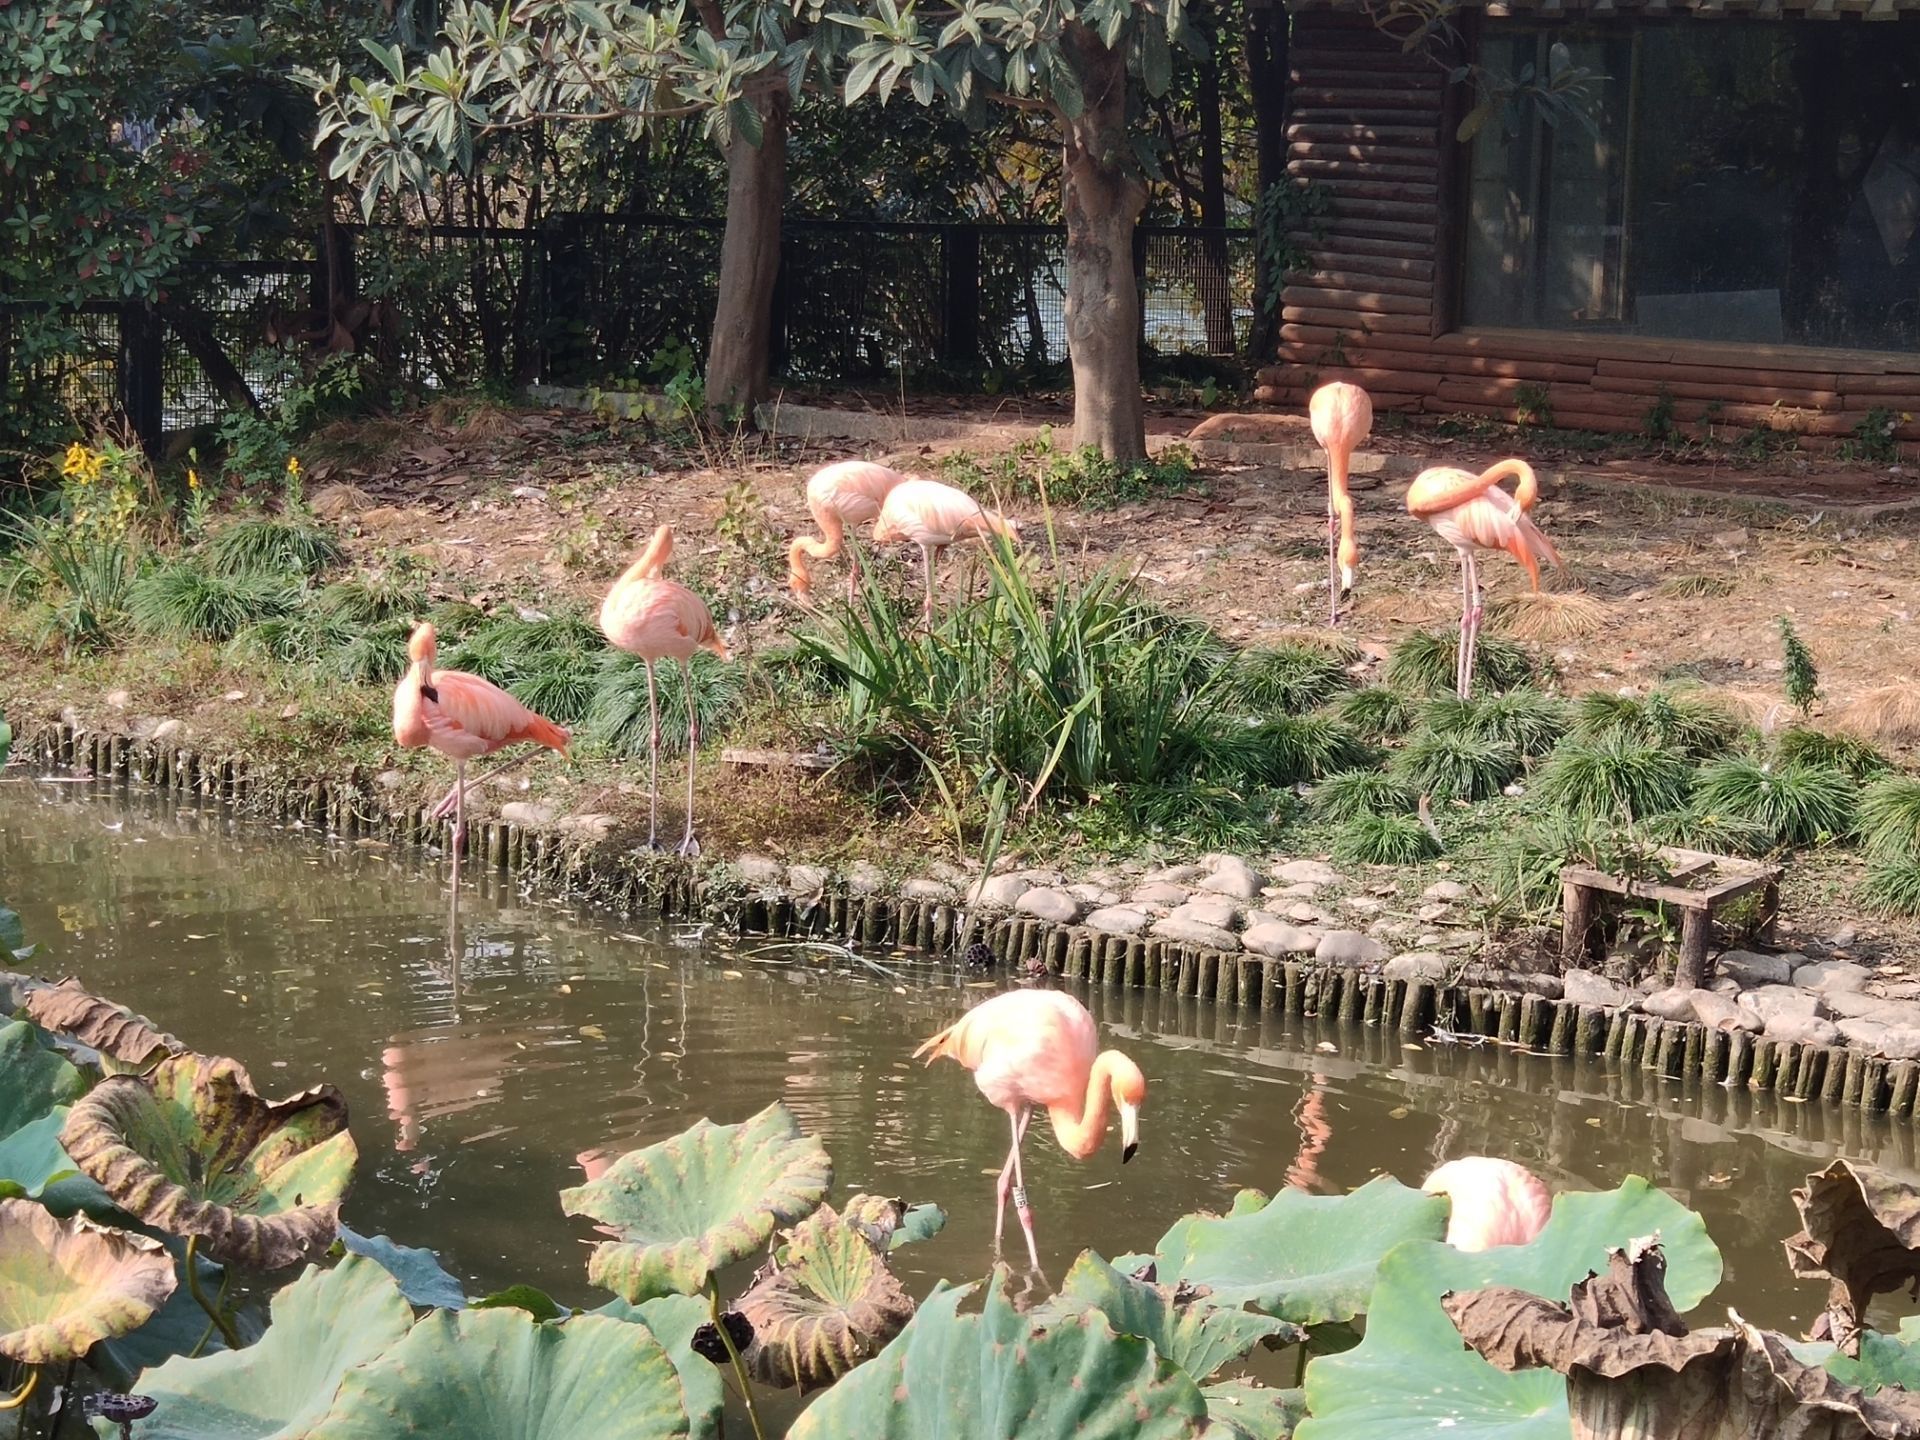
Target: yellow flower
x=193 y=478
x=293 y=466
x=76 y=460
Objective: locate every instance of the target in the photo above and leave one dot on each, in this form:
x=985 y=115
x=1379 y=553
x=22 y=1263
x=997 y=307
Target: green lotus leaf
x=1243 y=1410
x=997 y=1374
x=193 y=1150
x=67 y=1284
x=1411 y=1375
x=1883 y=1359
x=33 y=1079
x=13 y=940
x=1188 y=1327
x=1300 y=1257
x=31 y=1157
x=178 y=1327
x=113 y=1030
x=422 y=1278
x=673 y=1319
x=479 y=1374
x=700 y=1201
x=530 y=1298
x=827 y=1303
x=323 y=1325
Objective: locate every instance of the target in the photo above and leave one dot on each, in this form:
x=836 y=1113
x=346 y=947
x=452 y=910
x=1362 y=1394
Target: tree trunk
x=1216 y=295
x=1104 y=198
x=1267 y=74
x=737 y=358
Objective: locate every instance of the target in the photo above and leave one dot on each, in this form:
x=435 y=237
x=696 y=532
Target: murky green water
x=475 y=1085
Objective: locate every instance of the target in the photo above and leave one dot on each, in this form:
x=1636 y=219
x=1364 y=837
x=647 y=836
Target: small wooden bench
x=1698 y=883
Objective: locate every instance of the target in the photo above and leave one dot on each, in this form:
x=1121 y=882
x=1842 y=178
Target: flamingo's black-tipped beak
x=1126 y=1151
x=1129 y=1131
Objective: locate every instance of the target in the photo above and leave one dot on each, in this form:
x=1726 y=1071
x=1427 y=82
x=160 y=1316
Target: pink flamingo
x=1472 y=512
x=1494 y=1202
x=848 y=492
x=463 y=717
x=653 y=617
x=1035 y=1049
x=933 y=516
x=1342 y=416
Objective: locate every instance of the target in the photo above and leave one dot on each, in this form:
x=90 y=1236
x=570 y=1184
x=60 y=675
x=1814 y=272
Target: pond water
x=477 y=1079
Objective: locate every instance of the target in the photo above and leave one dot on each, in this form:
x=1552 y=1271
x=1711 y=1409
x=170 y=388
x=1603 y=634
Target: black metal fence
x=606 y=299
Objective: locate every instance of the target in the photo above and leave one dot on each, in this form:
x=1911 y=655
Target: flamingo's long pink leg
x=1466 y=611
x=1474 y=612
x=1333 y=564
x=1020 y=1206
x=926 y=554
x=687 y=844
x=653 y=757
x=445 y=807
x=1006 y=1179
x=459 y=819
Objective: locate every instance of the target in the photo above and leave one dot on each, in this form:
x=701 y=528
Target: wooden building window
x=1742 y=180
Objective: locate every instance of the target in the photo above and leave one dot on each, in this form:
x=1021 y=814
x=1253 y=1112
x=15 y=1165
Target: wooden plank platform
x=1696 y=882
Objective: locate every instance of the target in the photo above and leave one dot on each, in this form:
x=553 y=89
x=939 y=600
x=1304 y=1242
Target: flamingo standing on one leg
x=847 y=492
x=1033 y=1049
x=933 y=516
x=1342 y=416
x=1494 y=1202
x=1472 y=512
x=653 y=617
x=463 y=717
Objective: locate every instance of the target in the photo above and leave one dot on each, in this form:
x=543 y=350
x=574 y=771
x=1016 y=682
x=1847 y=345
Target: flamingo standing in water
x=1472 y=512
x=933 y=516
x=1342 y=416
x=1035 y=1049
x=653 y=617
x=848 y=492
x=1494 y=1202
x=463 y=717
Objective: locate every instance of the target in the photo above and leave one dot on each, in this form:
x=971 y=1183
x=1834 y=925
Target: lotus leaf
x=113 y=1030
x=1186 y=1326
x=1411 y=1375
x=826 y=1304
x=423 y=1279
x=178 y=1327
x=1883 y=1359
x=33 y=1079
x=192 y=1149
x=998 y=1374
x=478 y=1374
x=1861 y=1233
x=530 y=1298
x=702 y=1200
x=67 y=1284
x=31 y=1157
x=1300 y=1257
x=673 y=1319
x=1246 y=1411
x=324 y=1324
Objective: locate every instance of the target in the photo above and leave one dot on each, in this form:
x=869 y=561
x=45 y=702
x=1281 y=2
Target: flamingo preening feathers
x=1036 y=1049
x=847 y=492
x=463 y=717
x=1471 y=512
x=653 y=617
x=1341 y=416
x=933 y=516
x=1493 y=1202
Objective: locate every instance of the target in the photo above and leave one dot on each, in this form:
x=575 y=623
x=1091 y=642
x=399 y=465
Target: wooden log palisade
x=1371 y=124
x=1395 y=1013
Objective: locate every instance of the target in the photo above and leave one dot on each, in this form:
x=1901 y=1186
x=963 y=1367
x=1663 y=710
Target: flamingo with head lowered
x=1471 y=512
x=1341 y=416
x=1036 y=1050
x=933 y=516
x=1492 y=1202
x=848 y=492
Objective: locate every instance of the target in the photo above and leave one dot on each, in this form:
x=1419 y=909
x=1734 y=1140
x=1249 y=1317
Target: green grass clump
x=1700 y=828
x=1347 y=794
x=370 y=599
x=1670 y=719
x=1614 y=777
x=1287 y=750
x=552 y=665
x=1793 y=804
x=615 y=717
x=1803 y=745
x=1892 y=888
x=257 y=544
x=1456 y=765
x=76 y=580
x=183 y=600
x=1529 y=720
x=1369 y=839
x=1525 y=863
x=1204 y=816
x=1890 y=817
x=1288 y=679
x=1424 y=662
x=1378 y=712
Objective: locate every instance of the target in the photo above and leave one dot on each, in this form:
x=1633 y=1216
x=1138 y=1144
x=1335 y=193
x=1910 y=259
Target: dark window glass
x=1751 y=181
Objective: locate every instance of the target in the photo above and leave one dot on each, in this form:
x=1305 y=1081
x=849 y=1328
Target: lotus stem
x=227 y=1332
x=219 y=1299
x=739 y=1365
x=25 y=1392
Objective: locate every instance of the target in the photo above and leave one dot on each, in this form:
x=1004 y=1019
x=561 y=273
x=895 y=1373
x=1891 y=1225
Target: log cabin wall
x=1372 y=125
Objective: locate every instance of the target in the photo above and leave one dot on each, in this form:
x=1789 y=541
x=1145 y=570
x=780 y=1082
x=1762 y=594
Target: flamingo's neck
x=1524 y=493
x=653 y=559
x=1081 y=1135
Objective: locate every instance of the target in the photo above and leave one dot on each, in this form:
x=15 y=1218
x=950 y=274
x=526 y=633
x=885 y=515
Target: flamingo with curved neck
x=1341 y=416
x=848 y=492
x=1039 y=1050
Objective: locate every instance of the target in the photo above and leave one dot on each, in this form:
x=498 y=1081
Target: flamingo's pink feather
x=1494 y=1202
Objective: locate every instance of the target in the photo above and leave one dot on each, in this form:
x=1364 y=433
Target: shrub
x=615 y=716
x=1793 y=804
x=1424 y=662
x=184 y=600
x=1288 y=678
x=1676 y=720
x=265 y=544
x=1378 y=712
x=1287 y=750
x=1892 y=887
x=1454 y=764
x=1347 y=794
x=1213 y=817
x=1890 y=817
x=76 y=579
x=1613 y=777
x=1803 y=745
x=1371 y=839
x=1530 y=721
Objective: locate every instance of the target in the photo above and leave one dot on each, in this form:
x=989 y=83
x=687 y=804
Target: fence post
x=1140 y=275
x=782 y=298
x=139 y=373
x=961 y=322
